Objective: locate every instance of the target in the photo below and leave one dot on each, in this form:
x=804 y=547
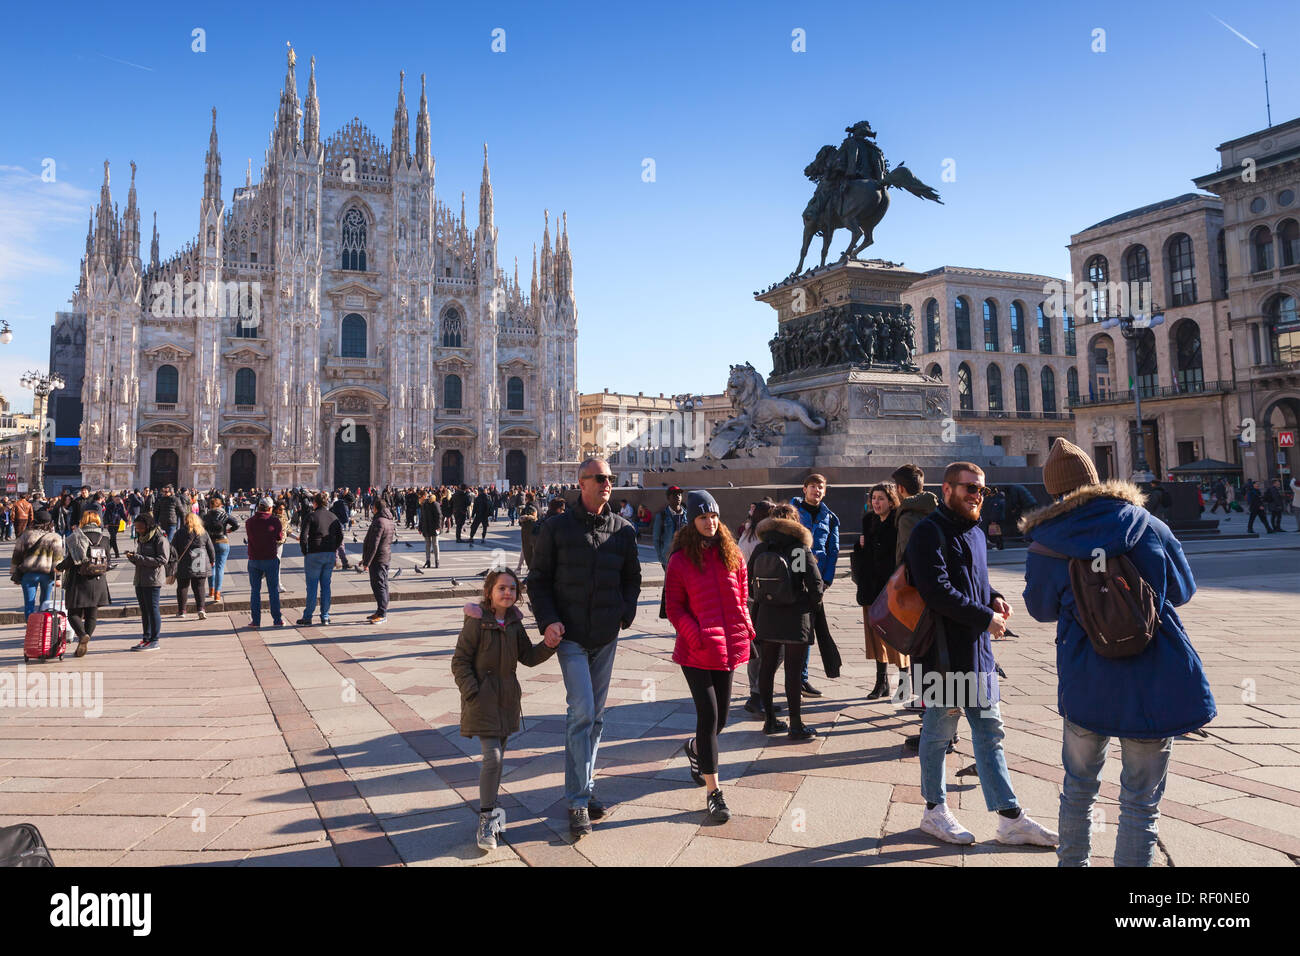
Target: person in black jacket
x=1255 y=505
x=341 y=511
x=430 y=524
x=460 y=508
x=167 y=513
x=114 y=513
x=218 y=523
x=376 y=555
x=873 y=564
x=482 y=514
x=195 y=556
x=84 y=593
x=320 y=538
x=583 y=586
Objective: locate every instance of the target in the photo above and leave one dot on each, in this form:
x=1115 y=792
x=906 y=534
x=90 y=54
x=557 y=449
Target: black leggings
x=712 y=693
x=191 y=584
x=83 y=620
x=769 y=658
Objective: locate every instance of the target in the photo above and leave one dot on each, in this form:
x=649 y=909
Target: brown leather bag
x=900 y=618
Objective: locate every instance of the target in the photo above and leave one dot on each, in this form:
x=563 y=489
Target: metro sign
x=1286 y=439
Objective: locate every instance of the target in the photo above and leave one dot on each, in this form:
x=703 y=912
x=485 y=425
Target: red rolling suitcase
x=47 y=634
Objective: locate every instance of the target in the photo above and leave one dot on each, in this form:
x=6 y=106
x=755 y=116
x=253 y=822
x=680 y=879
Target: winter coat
x=790 y=623
x=321 y=532
x=484 y=665
x=906 y=517
x=585 y=573
x=191 y=550
x=825 y=528
x=874 y=561
x=430 y=518
x=80 y=591
x=460 y=504
x=217 y=522
x=167 y=511
x=150 y=560
x=482 y=506
x=947 y=560
x=341 y=511
x=37 y=551
x=1162 y=692
x=708 y=607
x=528 y=534
x=23 y=513
x=667 y=524
x=114 y=512
x=378 y=547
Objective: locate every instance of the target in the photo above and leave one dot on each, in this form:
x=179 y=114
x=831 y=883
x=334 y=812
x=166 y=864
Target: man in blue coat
x=947 y=559
x=1145 y=700
x=825 y=527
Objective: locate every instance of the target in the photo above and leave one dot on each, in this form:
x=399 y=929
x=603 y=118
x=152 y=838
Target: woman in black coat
x=777 y=624
x=84 y=594
x=195 y=555
x=873 y=564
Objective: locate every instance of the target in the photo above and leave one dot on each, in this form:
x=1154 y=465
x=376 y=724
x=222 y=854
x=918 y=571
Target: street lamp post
x=41 y=384
x=1130 y=326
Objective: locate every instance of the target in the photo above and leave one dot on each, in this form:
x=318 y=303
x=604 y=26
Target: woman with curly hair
x=708 y=604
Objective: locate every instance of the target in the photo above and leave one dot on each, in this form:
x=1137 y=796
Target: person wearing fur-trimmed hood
x=1145 y=700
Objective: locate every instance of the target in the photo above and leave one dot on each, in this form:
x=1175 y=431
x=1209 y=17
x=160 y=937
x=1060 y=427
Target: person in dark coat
x=167 y=513
x=114 y=514
x=791 y=626
x=873 y=564
x=430 y=525
x=1145 y=700
x=412 y=505
x=995 y=517
x=150 y=562
x=84 y=593
x=482 y=515
x=195 y=555
x=460 y=509
x=947 y=560
x=376 y=555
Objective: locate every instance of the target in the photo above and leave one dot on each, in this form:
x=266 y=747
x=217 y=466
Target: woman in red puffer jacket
x=708 y=604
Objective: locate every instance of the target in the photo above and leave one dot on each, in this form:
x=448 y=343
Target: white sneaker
x=487 y=838
x=498 y=822
x=1022 y=829
x=203 y=615
x=939 y=822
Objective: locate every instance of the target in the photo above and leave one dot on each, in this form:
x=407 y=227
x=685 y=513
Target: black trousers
x=711 y=691
x=769 y=658
x=112 y=539
x=474 y=526
x=83 y=620
x=460 y=526
x=190 y=584
x=379 y=585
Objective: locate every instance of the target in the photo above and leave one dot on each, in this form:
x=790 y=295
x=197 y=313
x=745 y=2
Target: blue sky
x=1047 y=136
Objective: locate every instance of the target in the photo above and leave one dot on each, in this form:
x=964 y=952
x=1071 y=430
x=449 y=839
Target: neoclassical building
x=336 y=325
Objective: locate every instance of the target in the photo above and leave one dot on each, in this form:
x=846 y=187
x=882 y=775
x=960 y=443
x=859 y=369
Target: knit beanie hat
x=700 y=503
x=1068 y=467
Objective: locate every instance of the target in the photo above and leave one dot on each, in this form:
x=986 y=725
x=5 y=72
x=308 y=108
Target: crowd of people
x=755 y=597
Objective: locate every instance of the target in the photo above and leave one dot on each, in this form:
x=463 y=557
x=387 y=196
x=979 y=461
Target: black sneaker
x=579 y=823
x=595 y=809
x=754 y=706
x=718 y=812
x=810 y=691
x=304 y=622
x=802 y=732
x=773 y=726
x=693 y=758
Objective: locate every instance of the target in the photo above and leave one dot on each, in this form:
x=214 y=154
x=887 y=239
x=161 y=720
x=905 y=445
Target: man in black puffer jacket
x=583 y=585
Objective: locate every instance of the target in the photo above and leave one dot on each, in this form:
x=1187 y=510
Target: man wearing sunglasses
x=583 y=584
x=947 y=561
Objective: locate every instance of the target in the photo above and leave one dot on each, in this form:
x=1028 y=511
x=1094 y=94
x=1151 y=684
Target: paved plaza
x=339 y=745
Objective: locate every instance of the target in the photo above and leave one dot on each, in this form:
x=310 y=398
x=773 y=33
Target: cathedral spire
x=248 y=173
x=287 y=119
x=401 y=150
x=533 y=294
x=104 y=219
x=564 y=261
x=310 y=116
x=212 y=169
x=485 y=210
x=90 y=233
x=423 y=149
x=153 y=245
x=548 y=262
x=131 y=223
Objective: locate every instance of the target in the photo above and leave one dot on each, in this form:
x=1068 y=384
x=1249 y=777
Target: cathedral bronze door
x=352 y=458
x=164 y=468
x=453 y=467
x=516 y=468
x=243 y=470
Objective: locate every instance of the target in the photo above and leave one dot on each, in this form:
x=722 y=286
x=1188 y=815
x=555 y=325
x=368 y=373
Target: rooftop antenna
x=1268 y=106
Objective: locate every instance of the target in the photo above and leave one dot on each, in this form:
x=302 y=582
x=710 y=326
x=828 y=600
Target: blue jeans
x=1141 y=785
x=268 y=568
x=937 y=727
x=586 y=680
x=150 y=613
x=218 y=575
x=31 y=581
x=319 y=568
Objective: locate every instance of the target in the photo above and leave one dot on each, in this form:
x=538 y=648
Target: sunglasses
x=602 y=479
x=982 y=490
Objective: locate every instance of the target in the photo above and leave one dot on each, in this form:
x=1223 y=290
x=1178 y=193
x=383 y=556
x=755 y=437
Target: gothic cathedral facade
x=336 y=326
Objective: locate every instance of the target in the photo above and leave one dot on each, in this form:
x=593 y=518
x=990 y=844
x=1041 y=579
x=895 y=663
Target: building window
x=1137 y=274
x=1098 y=270
x=1283 y=329
x=1022 y=392
x=245 y=387
x=961 y=312
x=990 y=326
x=1188 y=372
x=932 y=339
x=354 y=241
x=451 y=392
x=1147 y=363
x=665 y=457
x=1048 y=382
x=1222 y=245
x=1261 y=249
x=1068 y=320
x=936 y=371
x=1072 y=385
x=1182 y=271
x=1288 y=240
x=354 y=337
x=631 y=456
x=515 y=394
x=167 y=385
x=993 y=379
x=966 y=400
x=1044 y=333
x=1100 y=360
x=451 y=329
x=1017 y=327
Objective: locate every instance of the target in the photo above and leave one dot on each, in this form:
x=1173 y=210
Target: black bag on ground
x=22 y=845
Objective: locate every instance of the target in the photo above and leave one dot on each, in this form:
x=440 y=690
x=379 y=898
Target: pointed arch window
x=451 y=329
x=354 y=241
x=245 y=387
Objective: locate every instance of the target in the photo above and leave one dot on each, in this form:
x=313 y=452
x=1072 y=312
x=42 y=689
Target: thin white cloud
x=32 y=215
x=126 y=62
x=1239 y=33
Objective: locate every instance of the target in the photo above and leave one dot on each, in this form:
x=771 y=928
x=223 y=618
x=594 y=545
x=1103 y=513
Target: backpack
x=773 y=580
x=1115 y=607
x=96 y=563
